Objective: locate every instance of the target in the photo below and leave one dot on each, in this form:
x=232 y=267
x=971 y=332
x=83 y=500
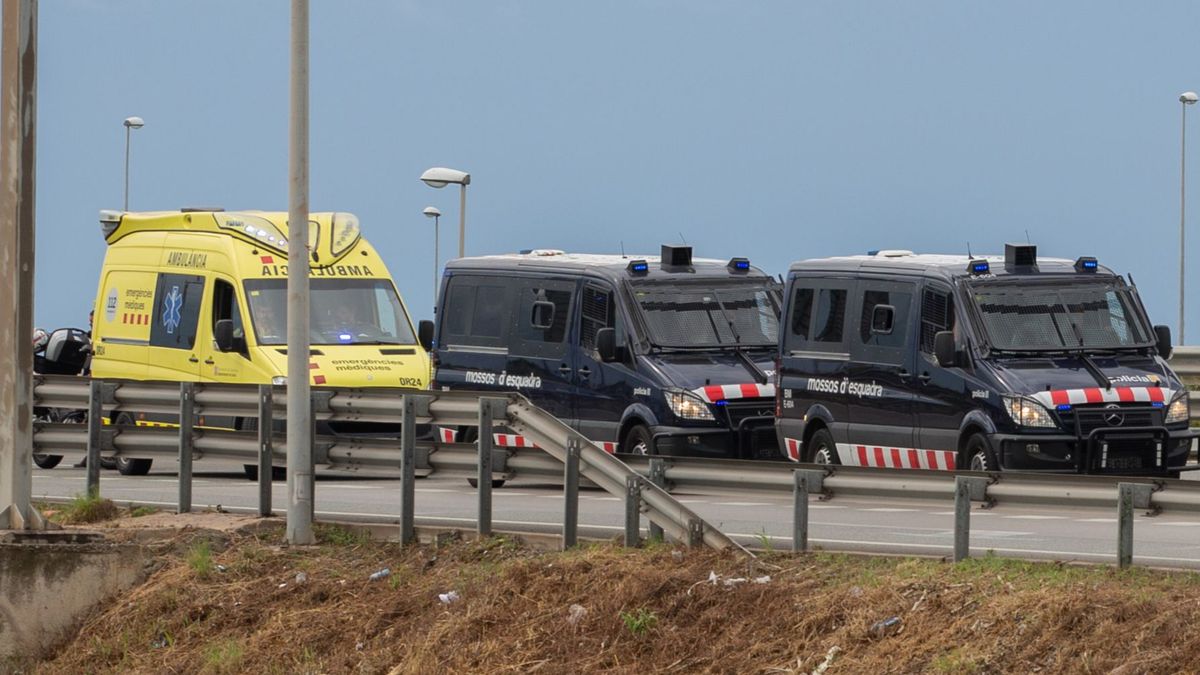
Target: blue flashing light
x=1063 y=407
x=345 y=337
x=1158 y=404
x=979 y=267
x=1086 y=264
x=721 y=403
x=638 y=267
x=739 y=264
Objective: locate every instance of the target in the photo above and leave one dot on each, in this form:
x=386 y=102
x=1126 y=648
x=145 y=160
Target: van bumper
x=748 y=442
x=1117 y=451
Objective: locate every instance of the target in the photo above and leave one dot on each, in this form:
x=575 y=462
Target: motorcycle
x=66 y=351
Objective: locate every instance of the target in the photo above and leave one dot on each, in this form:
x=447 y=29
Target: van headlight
x=279 y=380
x=1027 y=412
x=687 y=406
x=1180 y=409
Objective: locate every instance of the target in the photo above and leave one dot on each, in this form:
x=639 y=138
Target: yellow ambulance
x=200 y=295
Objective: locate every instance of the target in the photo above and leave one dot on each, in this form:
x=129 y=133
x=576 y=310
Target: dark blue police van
x=943 y=362
x=669 y=355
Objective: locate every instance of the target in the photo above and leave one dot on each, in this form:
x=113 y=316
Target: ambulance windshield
x=341 y=311
x=1099 y=314
x=710 y=314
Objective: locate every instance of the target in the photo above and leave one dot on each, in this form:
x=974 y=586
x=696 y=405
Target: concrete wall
x=46 y=589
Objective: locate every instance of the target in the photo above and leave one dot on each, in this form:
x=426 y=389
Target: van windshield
x=341 y=311
x=1100 y=315
x=710 y=314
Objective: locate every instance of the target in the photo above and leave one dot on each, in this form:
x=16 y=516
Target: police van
x=955 y=362
x=648 y=355
x=201 y=296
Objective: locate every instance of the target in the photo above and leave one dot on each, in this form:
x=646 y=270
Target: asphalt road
x=849 y=524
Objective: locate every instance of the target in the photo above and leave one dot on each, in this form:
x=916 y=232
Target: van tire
x=978 y=454
x=496 y=482
x=127 y=466
x=278 y=473
x=46 y=461
x=638 y=441
x=470 y=435
x=821 y=448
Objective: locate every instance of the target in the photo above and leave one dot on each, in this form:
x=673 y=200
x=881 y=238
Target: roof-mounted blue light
x=638 y=267
x=1086 y=264
x=345 y=337
x=979 y=267
x=739 y=264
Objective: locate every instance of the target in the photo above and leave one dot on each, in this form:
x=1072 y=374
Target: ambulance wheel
x=979 y=454
x=638 y=441
x=127 y=466
x=821 y=449
x=46 y=461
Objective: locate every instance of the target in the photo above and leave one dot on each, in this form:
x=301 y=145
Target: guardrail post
x=571 y=494
x=266 y=449
x=658 y=476
x=633 y=510
x=95 y=428
x=408 y=447
x=1124 y=525
x=804 y=483
x=487 y=411
x=187 y=405
x=962 y=518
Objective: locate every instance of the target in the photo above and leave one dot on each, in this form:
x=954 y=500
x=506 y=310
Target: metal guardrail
x=570 y=454
x=1185 y=361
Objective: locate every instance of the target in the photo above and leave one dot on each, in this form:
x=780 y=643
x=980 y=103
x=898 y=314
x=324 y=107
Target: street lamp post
x=433 y=212
x=131 y=123
x=440 y=177
x=1185 y=99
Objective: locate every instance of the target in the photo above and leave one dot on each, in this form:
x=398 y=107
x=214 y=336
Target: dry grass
x=643 y=611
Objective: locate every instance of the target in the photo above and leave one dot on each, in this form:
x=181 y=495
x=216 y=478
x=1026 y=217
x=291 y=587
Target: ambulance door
x=121 y=325
x=174 y=351
x=216 y=365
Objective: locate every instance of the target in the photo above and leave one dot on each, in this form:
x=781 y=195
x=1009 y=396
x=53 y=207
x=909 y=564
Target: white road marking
x=743 y=504
x=1178 y=524
x=1033 y=517
x=884 y=509
x=1095 y=520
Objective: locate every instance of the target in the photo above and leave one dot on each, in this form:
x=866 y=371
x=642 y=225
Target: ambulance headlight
x=687 y=406
x=1028 y=413
x=1179 y=410
x=279 y=380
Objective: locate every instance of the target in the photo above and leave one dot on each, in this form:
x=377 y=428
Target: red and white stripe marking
x=514 y=440
x=897 y=458
x=793 y=449
x=1059 y=397
x=727 y=392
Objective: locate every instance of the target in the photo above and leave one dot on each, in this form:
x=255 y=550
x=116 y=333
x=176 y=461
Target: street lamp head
x=431 y=212
x=1188 y=97
x=138 y=123
x=440 y=177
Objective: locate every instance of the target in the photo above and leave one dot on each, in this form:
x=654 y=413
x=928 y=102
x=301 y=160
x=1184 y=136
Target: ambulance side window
x=177 y=300
x=225 y=306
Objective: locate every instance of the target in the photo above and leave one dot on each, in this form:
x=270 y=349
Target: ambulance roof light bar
x=109 y=221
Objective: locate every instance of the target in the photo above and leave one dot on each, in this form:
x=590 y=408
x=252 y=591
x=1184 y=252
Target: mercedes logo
x=1113 y=416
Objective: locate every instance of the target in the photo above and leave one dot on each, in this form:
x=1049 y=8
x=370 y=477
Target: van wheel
x=46 y=461
x=822 y=449
x=278 y=473
x=127 y=466
x=979 y=454
x=496 y=482
x=470 y=435
x=638 y=441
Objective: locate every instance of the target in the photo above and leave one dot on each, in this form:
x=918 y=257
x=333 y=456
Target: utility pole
x=18 y=110
x=299 y=400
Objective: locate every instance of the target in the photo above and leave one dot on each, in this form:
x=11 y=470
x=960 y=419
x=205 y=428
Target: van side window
x=597 y=312
x=802 y=314
x=478 y=311
x=937 y=314
x=225 y=306
x=533 y=337
x=177 y=299
x=897 y=333
x=831 y=315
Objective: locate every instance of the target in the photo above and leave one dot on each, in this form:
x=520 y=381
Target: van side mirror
x=943 y=349
x=223 y=335
x=425 y=334
x=542 y=316
x=1162 y=335
x=606 y=344
x=883 y=318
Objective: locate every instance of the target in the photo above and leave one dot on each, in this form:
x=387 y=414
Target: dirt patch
x=239 y=602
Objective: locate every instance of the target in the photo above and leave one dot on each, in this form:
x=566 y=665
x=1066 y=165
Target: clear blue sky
x=773 y=130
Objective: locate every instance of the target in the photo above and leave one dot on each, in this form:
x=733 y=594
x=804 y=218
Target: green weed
x=224 y=657
x=139 y=511
x=199 y=558
x=640 y=621
x=338 y=535
x=86 y=508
